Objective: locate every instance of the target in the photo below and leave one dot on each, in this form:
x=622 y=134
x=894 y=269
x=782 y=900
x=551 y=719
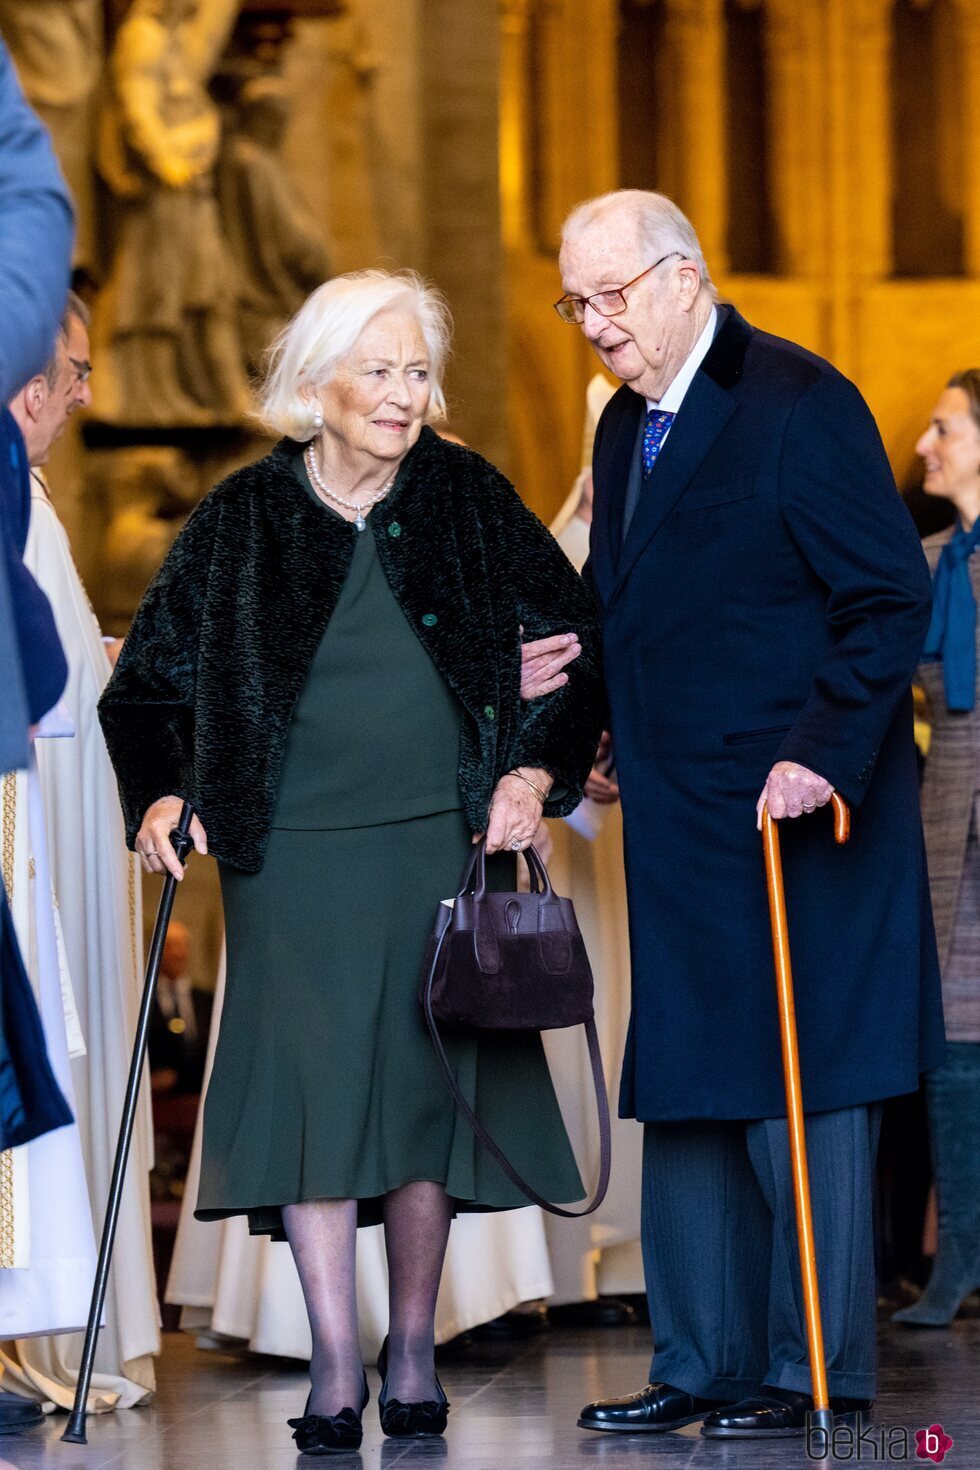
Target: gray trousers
x=721 y=1259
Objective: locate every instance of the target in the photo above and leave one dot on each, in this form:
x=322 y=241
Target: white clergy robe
x=47 y=1244
x=96 y=881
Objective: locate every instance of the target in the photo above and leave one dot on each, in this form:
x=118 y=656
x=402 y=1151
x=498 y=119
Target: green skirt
x=325 y=1082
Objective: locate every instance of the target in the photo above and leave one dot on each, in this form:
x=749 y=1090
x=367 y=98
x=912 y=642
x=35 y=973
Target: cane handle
x=180 y=838
x=842 y=818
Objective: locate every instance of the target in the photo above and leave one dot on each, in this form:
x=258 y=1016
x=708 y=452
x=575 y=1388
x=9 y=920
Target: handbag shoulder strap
x=492 y=1147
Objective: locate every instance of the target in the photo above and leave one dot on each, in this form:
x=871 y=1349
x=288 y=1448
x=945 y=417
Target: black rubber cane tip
x=74 y=1434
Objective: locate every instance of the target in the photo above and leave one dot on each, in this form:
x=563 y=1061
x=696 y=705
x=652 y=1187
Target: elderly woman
x=950 y=448
x=328 y=666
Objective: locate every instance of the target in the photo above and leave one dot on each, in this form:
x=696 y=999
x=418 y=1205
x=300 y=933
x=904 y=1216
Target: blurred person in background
x=950 y=449
x=36 y=230
x=597 y=1261
x=96 y=881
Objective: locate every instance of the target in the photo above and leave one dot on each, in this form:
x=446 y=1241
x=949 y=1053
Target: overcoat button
x=394 y=529
x=429 y=619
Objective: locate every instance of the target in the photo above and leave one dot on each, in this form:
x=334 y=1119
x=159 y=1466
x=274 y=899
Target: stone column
x=968 y=54
x=515 y=121
x=696 y=43
x=796 y=134
x=862 y=136
x=458 y=181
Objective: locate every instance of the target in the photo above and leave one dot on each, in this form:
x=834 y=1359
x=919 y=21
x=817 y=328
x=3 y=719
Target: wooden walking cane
x=182 y=842
x=823 y=1418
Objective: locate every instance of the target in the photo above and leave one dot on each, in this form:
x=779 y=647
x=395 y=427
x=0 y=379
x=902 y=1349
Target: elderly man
x=43 y=406
x=764 y=600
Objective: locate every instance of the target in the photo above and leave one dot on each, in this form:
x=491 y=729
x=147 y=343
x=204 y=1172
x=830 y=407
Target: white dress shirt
x=673 y=395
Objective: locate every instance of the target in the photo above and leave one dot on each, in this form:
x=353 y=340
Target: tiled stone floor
x=514 y=1408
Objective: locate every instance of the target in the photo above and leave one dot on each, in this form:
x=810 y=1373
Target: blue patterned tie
x=656 y=426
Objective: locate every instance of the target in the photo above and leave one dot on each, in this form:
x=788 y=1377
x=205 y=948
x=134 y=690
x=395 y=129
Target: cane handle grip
x=180 y=838
x=842 y=818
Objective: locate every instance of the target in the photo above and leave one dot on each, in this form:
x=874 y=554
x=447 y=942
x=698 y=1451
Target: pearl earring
x=317 y=419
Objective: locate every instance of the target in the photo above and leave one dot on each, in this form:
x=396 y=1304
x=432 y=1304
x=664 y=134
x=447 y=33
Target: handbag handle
x=492 y=1147
x=476 y=872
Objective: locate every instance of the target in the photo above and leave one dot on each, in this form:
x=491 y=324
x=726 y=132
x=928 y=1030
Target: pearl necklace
x=359 y=521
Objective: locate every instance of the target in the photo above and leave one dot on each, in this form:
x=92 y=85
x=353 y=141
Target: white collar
x=673 y=396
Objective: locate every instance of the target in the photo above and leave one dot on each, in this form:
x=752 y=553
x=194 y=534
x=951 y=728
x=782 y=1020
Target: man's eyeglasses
x=571 y=309
x=80 y=371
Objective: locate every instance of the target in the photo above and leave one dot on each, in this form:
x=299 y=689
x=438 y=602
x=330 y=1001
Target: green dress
x=325 y=1083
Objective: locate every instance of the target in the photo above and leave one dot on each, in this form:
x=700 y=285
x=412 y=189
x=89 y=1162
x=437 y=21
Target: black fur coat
x=201 y=698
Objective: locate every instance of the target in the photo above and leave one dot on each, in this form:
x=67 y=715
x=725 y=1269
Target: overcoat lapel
x=706 y=409
x=612 y=478
x=704 y=413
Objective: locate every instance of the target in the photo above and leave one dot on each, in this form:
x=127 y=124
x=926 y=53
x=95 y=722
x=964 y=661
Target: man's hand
x=792 y=791
x=542 y=663
x=600 y=787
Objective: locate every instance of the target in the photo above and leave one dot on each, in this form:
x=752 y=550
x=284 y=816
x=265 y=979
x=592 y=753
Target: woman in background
x=950 y=448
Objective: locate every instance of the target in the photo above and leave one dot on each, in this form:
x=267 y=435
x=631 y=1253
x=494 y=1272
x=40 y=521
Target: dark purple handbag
x=513 y=962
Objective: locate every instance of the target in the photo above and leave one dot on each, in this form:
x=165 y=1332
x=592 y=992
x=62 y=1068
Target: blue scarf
x=952 y=634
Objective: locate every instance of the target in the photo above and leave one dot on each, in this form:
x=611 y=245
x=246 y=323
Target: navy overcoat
x=769 y=603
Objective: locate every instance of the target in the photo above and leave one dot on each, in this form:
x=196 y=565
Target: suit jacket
x=952 y=774
x=200 y=701
x=769 y=603
x=36 y=230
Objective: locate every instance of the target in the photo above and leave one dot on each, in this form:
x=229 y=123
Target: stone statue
x=58 y=49
x=148 y=492
x=278 y=249
x=165 y=324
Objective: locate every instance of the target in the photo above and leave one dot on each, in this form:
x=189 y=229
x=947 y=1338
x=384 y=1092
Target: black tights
x=322 y=1235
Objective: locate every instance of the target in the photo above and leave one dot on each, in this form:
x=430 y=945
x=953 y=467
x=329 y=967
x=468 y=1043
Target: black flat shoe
x=774 y=1413
x=424 y=1420
x=654 y=1410
x=330 y=1434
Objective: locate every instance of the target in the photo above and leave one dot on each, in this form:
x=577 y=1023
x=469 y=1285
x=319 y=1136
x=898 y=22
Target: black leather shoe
x=423 y=1420
x=654 y=1410
x=17 y=1414
x=330 y=1434
x=773 y=1413
x=605 y=1311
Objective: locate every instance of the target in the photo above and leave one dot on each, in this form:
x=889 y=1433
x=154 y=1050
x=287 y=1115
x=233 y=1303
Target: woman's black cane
x=182 y=844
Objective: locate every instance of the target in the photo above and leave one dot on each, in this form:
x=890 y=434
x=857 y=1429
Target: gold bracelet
x=536 y=789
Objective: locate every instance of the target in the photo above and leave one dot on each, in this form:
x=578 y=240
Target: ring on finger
x=516 y=846
x=809 y=808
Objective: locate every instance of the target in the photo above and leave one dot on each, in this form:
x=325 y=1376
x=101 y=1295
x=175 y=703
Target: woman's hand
x=515 y=811
x=153 y=843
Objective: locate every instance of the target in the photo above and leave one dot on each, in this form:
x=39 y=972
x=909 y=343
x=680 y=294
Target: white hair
x=660 y=225
x=305 y=355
